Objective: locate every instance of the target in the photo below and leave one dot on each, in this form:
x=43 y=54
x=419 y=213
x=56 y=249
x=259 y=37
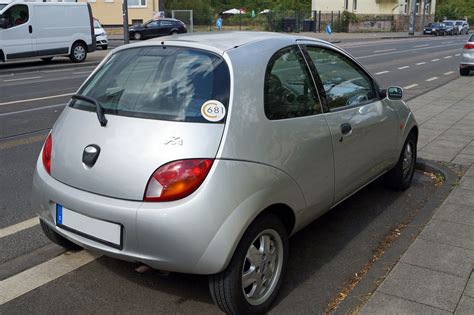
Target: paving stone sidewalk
x=435 y=275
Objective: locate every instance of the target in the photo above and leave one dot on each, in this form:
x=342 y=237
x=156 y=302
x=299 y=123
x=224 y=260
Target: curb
x=382 y=267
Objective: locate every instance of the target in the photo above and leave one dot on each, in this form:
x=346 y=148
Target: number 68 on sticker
x=213 y=111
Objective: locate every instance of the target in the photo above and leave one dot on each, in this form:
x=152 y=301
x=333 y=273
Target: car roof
x=227 y=40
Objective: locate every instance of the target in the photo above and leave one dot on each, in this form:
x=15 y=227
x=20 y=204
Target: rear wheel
x=464 y=71
x=137 y=36
x=58 y=239
x=253 y=278
x=78 y=52
x=400 y=177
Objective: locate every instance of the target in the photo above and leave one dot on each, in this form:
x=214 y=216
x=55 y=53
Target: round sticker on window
x=213 y=111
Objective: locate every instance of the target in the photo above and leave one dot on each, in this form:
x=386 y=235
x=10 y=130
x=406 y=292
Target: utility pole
x=411 y=22
x=126 y=38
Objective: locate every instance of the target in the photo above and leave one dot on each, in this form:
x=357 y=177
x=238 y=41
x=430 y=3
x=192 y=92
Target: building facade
x=109 y=12
x=385 y=15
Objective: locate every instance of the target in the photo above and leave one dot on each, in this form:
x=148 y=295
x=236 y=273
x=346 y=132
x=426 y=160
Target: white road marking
x=446 y=42
x=424 y=45
x=420 y=63
x=447 y=57
x=457 y=55
x=69 y=69
x=36 y=99
x=15 y=228
x=404 y=67
x=31 y=110
x=7 y=75
x=28 y=280
x=410 y=86
x=82 y=72
x=431 y=79
x=382 y=72
x=448 y=73
x=22 y=79
x=405 y=51
x=384 y=50
x=434 y=59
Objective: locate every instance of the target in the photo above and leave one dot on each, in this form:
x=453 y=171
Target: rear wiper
x=98 y=108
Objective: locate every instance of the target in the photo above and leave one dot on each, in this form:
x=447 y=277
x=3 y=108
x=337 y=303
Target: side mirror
x=394 y=93
x=3 y=23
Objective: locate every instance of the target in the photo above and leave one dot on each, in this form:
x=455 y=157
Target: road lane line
x=22 y=79
x=447 y=57
x=15 y=228
x=410 y=86
x=457 y=55
x=404 y=67
x=404 y=51
x=431 y=79
x=82 y=72
x=434 y=60
x=424 y=45
x=420 y=63
x=382 y=72
x=7 y=75
x=15 y=143
x=36 y=99
x=448 y=73
x=28 y=280
x=446 y=42
x=31 y=110
x=384 y=50
x=69 y=69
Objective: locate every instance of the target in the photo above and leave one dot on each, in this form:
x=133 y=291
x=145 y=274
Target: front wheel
x=401 y=176
x=137 y=36
x=464 y=71
x=253 y=278
x=78 y=53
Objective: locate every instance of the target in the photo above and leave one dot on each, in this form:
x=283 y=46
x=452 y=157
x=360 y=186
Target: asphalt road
x=324 y=255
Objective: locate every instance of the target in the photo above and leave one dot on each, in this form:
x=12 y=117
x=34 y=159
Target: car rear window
x=159 y=82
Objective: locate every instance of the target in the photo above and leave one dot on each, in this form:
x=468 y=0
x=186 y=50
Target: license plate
x=100 y=231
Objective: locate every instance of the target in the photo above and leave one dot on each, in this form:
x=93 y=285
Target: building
x=109 y=12
x=385 y=15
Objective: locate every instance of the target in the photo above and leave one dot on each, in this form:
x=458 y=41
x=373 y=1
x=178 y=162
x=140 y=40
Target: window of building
x=136 y=3
x=346 y=4
x=354 y=5
x=289 y=89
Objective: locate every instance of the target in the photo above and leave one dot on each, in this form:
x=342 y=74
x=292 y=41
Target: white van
x=45 y=30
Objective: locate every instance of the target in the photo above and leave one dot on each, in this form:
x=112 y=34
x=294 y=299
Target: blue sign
x=328 y=29
x=219 y=23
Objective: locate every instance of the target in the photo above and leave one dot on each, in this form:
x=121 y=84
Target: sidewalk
x=435 y=275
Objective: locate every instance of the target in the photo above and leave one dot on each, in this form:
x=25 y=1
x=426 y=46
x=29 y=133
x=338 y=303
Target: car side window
x=16 y=15
x=153 y=24
x=166 y=23
x=345 y=84
x=289 y=89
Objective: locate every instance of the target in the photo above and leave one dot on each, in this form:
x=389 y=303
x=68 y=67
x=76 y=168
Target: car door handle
x=30 y=29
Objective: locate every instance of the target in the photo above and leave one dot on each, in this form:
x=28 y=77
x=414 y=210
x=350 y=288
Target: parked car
x=463 y=27
x=155 y=28
x=168 y=157
x=451 y=28
x=436 y=29
x=46 y=30
x=100 y=35
x=467 y=57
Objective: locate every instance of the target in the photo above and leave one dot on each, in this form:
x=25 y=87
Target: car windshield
x=472 y=38
x=429 y=25
x=435 y=25
x=97 y=24
x=459 y=23
x=2 y=6
x=159 y=82
x=448 y=23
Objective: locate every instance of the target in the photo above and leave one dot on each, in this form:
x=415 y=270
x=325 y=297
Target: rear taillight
x=469 y=46
x=177 y=179
x=47 y=148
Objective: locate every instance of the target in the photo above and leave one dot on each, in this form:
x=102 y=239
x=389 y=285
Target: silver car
x=203 y=153
x=467 y=57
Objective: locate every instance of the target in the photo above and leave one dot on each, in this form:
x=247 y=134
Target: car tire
x=464 y=71
x=137 y=36
x=78 y=52
x=227 y=289
x=105 y=47
x=401 y=175
x=58 y=239
x=47 y=59
x=174 y=33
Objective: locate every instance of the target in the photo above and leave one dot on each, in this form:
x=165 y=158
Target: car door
x=363 y=127
x=151 y=29
x=298 y=139
x=17 y=39
x=165 y=27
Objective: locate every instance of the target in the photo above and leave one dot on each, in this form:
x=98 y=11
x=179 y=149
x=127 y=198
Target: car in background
x=451 y=28
x=188 y=156
x=463 y=27
x=436 y=29
x=467 y=57
x=156 y=28
x=100 y=35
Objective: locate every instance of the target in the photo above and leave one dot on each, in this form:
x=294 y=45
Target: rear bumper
x=467 y=60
